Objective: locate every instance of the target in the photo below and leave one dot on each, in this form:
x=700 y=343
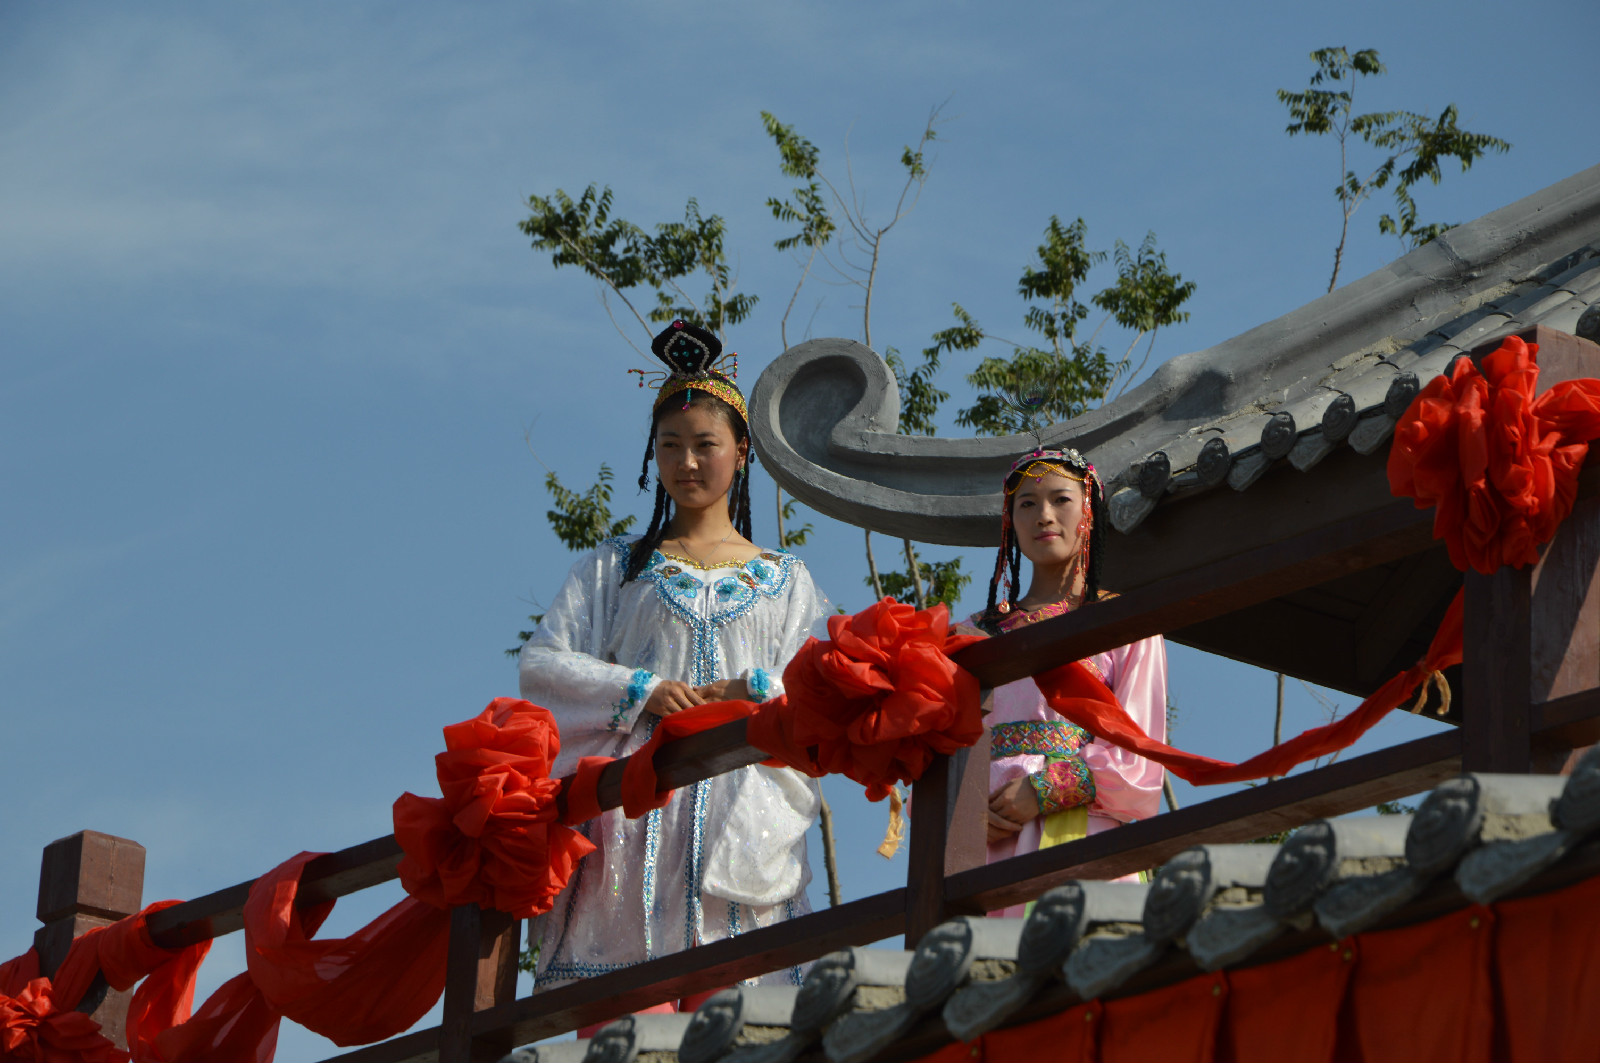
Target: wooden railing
x=947 y=875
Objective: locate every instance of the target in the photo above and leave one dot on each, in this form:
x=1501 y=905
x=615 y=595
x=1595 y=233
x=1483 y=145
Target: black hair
x=1010 y=560
x=738 y=497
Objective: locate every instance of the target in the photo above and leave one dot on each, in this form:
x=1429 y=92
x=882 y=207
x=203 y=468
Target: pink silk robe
x=1127 y=787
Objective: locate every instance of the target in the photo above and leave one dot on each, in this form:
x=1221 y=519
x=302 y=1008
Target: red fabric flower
x=876 y=700
x=493 y=839
x=31 y=1028
x=1499 y=464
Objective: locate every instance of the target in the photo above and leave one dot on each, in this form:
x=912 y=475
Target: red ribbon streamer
x=1083 y=699
x=37 y=1016
x=366 y=987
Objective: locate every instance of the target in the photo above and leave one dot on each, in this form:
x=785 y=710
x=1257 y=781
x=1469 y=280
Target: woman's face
x=697 y=455
x=1045 y=514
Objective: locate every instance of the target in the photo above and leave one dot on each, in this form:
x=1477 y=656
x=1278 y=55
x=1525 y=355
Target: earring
x=1085 y=530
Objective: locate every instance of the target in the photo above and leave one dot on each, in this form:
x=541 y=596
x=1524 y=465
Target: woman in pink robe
x=1051 y=781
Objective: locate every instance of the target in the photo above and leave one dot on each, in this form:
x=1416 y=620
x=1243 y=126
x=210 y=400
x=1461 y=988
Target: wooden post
x=1496 y=669
x=480 y=972
x=1566 y=608
x=949 y=815
x=1533 y=635
x=88 y=880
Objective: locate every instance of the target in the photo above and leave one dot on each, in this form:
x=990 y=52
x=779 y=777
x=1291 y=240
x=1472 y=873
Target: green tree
x=581 y=521
x=793 y=536
x=584 y=521
x=1410 y=146
x=1059 y=376
x=622 y=257
x=837 y=230
x=808 y=208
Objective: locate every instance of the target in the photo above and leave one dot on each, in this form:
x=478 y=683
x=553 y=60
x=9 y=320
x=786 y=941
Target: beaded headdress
x=1068 y=463
x=695 y=362
x=1038 y=463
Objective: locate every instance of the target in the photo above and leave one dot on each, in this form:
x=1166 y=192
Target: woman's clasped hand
x=672 y=696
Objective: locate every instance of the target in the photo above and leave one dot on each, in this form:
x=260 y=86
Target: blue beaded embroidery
x=730 y=589
x=652 y=844
x=679 y=583
x=630 y=698
x=570 y=969
x=692 y=866
x=767 y=575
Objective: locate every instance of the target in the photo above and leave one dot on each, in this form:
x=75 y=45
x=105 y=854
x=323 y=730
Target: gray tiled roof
x=1474 y=839
x=1333 y=374
x=1360 y=396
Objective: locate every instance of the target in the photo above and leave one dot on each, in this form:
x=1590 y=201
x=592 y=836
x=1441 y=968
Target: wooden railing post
x=1497 y=731
x=480 y=973
x=88 y=880
x=1566 y=607
x=1533 y=635
x=949 y=817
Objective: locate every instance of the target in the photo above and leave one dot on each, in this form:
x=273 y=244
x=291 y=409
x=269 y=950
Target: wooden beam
x=934 y=797
x=1243 y=816
x=709 y=966
x=681 y=763
x=421 y=1046
x=1343 y=787
x=326 y=878
x=1569 y=722
x=1396 y=530
x=1413 y=591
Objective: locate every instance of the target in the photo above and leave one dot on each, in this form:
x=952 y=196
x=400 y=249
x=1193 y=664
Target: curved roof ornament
x=1327 y=376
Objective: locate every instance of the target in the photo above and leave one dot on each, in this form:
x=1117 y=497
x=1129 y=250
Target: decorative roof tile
x=1476 y=838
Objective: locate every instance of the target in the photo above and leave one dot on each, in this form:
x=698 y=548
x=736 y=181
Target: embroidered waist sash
x=1040 y=738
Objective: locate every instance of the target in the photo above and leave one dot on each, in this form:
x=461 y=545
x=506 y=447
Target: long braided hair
x=692 y=356
x=1005 y=586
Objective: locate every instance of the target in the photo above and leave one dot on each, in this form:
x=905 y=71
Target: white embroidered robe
x=725 y=855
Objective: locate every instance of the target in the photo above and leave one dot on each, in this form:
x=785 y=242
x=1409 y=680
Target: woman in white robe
x=701 y=618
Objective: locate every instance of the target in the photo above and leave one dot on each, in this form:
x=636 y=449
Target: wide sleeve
x=805 y=608
x=1127 y=786
x=562 y=666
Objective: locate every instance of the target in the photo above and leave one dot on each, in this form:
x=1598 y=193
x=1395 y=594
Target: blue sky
x=279 y=377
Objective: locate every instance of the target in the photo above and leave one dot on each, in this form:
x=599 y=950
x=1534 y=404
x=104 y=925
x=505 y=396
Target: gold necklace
x=703 y=565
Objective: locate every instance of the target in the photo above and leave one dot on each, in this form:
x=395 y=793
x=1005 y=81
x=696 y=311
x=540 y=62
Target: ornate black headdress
x=695 y=363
